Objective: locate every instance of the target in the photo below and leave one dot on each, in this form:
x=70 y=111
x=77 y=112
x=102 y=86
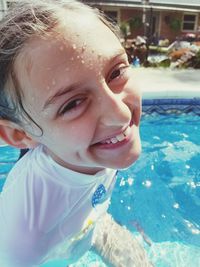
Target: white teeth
x=128 y=130
x=117 y=138
x=114 y=140
x=120 y=137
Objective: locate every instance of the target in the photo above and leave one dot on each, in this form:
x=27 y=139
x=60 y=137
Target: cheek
x=77 y=135
x=133 y=90
x=136 y=88
x=81 y=135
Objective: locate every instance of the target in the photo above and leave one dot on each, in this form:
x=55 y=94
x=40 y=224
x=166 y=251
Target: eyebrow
x=118 y=53
x=60 y=92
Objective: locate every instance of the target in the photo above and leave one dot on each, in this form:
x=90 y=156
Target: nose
x=114 y=111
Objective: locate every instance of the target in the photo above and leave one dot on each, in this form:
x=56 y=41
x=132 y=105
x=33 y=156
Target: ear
x=13 y=135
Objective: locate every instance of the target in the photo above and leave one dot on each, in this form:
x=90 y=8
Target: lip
x=113 y=146
x=113 y=135
x=118 y=144
x=133 y=122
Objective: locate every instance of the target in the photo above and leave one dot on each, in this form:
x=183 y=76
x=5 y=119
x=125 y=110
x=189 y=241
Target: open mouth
x=118 y=138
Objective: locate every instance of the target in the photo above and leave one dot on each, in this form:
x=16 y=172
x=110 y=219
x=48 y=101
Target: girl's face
x=79 y=88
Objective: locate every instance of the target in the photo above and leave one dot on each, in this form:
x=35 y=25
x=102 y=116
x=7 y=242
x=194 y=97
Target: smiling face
x=78 y=86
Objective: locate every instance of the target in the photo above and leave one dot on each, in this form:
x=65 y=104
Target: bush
x=175 y=24
x=125 y=29
x=135 y=23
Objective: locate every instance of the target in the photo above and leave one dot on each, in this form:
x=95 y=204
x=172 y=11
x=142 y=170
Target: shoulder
x=27 y=205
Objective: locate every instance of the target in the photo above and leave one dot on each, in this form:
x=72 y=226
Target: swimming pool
x=158 y=198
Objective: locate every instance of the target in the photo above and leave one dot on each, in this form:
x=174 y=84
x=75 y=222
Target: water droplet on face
x=61 y=48
x=72 y=59
x=53 y=82
x=74 y=46
x=78 y=56
x=84 y=47
x=82 y=61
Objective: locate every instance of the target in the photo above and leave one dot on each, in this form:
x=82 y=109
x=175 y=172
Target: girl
x=67 y=94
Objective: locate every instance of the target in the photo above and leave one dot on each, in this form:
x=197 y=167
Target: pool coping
x=160 y=83
x=171 y=106
x=169 y=90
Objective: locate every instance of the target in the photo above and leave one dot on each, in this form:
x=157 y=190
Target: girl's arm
x=117 y=245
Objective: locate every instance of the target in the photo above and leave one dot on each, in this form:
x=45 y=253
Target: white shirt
x=48 y=211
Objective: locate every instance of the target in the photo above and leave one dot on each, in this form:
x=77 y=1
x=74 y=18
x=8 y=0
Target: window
x=189 y=22
x=9 y=3
x=111 y=14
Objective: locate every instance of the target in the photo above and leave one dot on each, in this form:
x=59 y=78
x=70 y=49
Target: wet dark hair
x=25 y=19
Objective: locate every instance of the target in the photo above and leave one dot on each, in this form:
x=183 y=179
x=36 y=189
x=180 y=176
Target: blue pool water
x=158 y=198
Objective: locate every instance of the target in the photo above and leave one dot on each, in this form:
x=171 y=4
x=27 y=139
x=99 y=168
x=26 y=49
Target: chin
x=128 y=161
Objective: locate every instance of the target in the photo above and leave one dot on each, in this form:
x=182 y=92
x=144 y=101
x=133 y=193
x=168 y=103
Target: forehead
x=83 y=39
x=75 y=31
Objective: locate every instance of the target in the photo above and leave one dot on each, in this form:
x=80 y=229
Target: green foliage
x=135 y=23
x=125 y=28
x=175 y=24
x=130 y=25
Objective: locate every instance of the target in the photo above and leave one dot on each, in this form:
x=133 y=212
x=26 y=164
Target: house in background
x=3 y=8
x=156 y=19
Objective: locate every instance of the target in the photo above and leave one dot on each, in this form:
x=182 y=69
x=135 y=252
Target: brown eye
x=71 y=105
x=118 y=73
x=115 y=74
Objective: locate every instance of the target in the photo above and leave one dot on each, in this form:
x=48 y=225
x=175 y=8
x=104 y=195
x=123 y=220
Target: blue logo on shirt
x=99 y=195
